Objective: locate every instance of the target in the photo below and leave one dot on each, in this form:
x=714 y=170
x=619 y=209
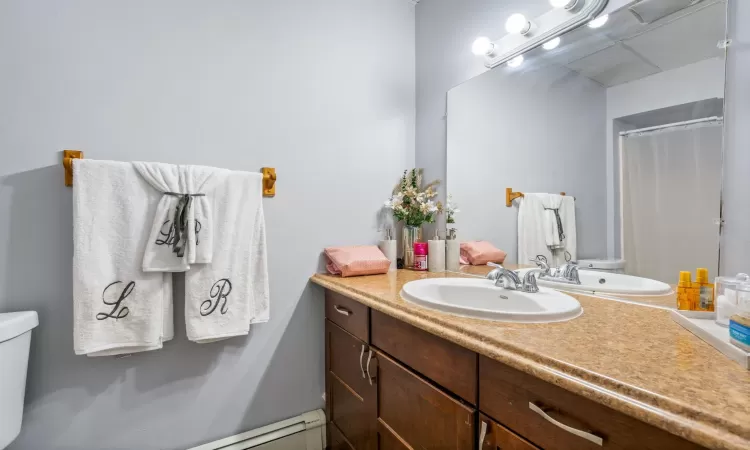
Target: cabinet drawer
x=348 y=314
x=447 y=364
x=497 y=437
x=419 y=414
x=549 y=416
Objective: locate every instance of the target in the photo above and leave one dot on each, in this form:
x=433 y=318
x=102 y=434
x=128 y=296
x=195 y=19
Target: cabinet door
x=337 y=440
x=350 y=394
x=493 y=436
x=414 y=413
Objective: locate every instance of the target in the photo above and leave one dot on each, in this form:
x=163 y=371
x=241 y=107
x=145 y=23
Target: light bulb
x=515 y=62
x=567 y=4
x=482 y=46
x=517 y=23
x=599 y=21
x=551 y=44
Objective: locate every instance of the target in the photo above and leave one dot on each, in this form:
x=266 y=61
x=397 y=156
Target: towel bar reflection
x=269 y=173
x=510 y=196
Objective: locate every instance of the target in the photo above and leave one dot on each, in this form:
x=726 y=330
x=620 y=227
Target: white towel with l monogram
x=117 y=308
x=223 y=298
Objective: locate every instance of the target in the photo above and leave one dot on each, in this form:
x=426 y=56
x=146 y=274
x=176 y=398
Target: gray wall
x=323 y=91
x=735 y=248
x=539 y=129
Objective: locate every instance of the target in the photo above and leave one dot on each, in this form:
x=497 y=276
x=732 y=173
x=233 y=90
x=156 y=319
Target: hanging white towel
x=553 y=230
x=223 y=298
x=532 y=241
x=117 y=307
x=568 y=216
x=182 y=226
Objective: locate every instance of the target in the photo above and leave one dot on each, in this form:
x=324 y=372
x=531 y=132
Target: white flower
x=428 y=207
x=450 y=206
x=394 y=201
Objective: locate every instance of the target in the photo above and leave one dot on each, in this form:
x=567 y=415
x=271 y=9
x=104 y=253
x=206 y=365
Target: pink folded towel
x=356 y=260
x=479 y=253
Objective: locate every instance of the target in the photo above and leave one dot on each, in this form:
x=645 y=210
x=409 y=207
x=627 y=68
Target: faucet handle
x=529 y=282
x=496 y=265
x=541 y=264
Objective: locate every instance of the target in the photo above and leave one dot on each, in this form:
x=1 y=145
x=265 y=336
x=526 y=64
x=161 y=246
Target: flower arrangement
x=411 y=202
x=451 y=209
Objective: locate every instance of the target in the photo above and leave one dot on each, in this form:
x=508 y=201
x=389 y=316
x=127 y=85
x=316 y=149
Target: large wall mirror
x=625 y=116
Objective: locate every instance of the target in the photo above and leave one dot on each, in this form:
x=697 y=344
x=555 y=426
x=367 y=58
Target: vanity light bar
x=524 y=34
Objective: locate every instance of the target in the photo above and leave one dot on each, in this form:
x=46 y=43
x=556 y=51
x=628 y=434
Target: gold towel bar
x=269 y=173
x=510 y=196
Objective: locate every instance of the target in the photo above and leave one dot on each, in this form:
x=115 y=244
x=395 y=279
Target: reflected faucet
x=570 y=273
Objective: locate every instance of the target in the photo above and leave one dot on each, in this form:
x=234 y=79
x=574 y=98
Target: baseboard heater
x=304 y=432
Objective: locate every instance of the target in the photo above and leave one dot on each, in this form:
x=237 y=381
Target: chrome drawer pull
x=369 y=358
x=362 y=367
x=482 y=434
x=588 y=436
x=341 y=310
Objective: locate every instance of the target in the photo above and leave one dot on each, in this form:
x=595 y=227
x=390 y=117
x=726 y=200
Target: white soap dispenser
x=436 y=254
x=389 y=248
x=452 y=251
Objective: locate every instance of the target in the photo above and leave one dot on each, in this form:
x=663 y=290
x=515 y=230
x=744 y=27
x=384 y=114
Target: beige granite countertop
x=633 y=358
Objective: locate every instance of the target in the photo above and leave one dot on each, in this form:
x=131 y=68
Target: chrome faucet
x=509 y=279
x=567 y=273
x=503 y=277
x=570 y=273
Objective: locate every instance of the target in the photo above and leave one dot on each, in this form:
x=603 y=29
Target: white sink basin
x=609 y=283
x=480 y=298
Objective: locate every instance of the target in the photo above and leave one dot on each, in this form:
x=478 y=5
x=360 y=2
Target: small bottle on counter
x=389 y=248
x=420 y=256
x=436 y=254
x=726 y=298
x=685 y=291
x=705 y=300
x=452 y=251
x=739 y=322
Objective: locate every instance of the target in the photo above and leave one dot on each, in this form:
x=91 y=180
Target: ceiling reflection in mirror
x=625 y=118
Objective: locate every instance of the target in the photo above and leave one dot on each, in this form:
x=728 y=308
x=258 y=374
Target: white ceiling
x=625 y=49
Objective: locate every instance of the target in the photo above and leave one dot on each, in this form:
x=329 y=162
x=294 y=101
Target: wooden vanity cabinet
x=375 y=402
x=392 y=386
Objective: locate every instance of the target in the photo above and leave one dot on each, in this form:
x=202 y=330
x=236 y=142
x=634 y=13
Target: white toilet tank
x=15 y=339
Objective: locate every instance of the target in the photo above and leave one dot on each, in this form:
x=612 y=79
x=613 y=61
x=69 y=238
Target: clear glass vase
x=409 y=236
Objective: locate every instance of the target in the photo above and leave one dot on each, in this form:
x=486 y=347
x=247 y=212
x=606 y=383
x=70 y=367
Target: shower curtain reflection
x=671 y=199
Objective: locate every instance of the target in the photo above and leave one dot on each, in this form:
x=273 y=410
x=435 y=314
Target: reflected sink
x=609 y=283
x=480 y=298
